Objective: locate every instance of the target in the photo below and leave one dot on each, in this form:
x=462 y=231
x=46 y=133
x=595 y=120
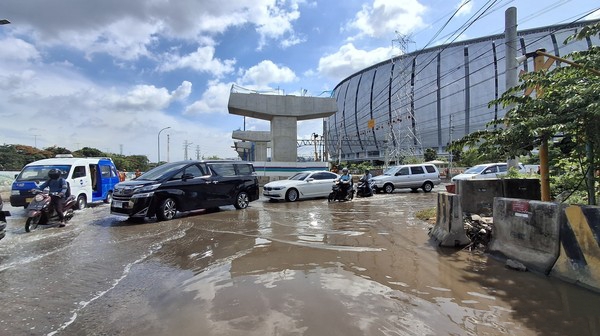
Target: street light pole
x=158 y=159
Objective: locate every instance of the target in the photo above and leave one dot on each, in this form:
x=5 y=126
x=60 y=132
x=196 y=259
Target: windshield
x=475 y=169
x=162 y=172
x=40 y=173
x=299 y=176
x=390 y=171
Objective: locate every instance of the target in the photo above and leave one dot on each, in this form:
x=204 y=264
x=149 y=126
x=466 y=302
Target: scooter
x=40 y=211
x=364 y=189
x=341 y=191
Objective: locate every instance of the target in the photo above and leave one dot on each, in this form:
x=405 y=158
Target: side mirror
x=310 y=179
x=187 y=176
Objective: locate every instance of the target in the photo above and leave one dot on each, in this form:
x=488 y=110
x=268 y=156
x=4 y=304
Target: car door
x=188 y=186
x=224 y=184
x=321 y=184
x=401 y=178
x=416 y=177
x=489 y=172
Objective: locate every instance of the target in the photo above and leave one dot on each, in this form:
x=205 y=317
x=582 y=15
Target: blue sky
x=110 y=74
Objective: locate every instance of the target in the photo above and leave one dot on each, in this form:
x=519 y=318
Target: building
x=424 y=99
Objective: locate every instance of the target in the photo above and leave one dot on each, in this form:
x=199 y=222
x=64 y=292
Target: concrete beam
x=255 y=136
x=266 y=107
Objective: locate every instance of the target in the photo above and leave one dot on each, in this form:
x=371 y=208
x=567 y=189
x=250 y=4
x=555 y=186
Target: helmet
x=54 y=173
x=345 y=170
x=366 y=171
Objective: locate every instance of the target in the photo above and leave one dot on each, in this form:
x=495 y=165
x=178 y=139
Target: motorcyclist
x=345 y=180
x=366 y=180
x=58 y=189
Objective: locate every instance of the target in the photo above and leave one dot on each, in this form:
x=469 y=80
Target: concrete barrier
x=579 y=260
x=449 y=229
x=478 y=195
x=527 y=231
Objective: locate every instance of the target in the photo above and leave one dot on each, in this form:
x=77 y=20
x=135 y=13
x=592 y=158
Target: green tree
x=430 y=154
x=568 y=107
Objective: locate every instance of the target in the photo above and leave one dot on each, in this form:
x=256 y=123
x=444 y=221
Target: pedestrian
x=138 y=173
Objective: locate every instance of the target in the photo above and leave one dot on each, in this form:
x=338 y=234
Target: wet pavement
x=365 y=267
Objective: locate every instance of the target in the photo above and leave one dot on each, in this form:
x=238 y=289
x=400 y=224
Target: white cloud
x=213 y=100
x=348 y=60
x=201 y=60
x=267 y=72
x=465 y=7
x=183 y=91
x=386 y=16
x=14 y=49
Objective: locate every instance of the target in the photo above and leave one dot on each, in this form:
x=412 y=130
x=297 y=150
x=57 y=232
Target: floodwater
x=365 y=267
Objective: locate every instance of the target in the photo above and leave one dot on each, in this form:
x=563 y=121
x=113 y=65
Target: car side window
x=79 y=171
x=417 y=170
x=430 y=169
x=244 y=169
x=193 y=169
x=490 y=170
x=223 y=169
x=324 y=176
x=502 y=168
x=403 y=171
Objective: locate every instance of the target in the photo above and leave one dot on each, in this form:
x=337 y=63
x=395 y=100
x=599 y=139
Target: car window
x=324 y=176
x=223 y=169
x=79 y=171
x=402 y=171
x=417 y=170
x=502 y=168
x=105 y=170
x=244 y=169
x=430 y=169
x=193 y=169
x=475 y=170
x=299 y=176
x=491 y=170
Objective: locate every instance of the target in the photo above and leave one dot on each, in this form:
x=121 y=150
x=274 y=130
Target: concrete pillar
x=260 y=151
x=283 y=133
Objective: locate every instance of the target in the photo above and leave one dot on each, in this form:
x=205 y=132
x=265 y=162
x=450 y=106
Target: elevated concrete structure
x=259 y=141
x=284 y=113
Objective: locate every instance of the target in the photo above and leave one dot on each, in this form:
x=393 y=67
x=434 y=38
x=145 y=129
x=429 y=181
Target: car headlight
x=148 y=188
x=276 y=188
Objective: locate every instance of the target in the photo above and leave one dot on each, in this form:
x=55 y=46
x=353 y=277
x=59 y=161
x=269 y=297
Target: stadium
x=425 y=99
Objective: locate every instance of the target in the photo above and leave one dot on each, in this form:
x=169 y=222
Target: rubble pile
x=479 y=230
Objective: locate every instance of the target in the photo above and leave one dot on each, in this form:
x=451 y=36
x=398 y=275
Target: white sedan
x=308 y=184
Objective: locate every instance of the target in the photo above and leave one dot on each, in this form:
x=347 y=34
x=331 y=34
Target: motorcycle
x=364 y=189
x=341 y=191
x=41 y=212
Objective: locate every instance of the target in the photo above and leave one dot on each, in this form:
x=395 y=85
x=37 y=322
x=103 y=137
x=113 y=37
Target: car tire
x=81 y=202
x=108 y=198
x=166 y=210
x=291 y=195
x=388 y=188
x=427 y=186
x=241 y=200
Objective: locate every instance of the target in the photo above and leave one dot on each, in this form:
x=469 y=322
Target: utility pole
x=186 y=145
x=511 y=76
x=168 y=146
x=198 y=152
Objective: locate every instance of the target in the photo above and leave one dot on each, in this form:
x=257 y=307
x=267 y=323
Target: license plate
x=119 y=204
x=28 y=200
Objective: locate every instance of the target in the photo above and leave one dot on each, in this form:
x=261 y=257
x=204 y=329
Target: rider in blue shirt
x=345 y=180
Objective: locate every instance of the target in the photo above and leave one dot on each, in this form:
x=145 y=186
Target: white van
x=89 y=179
x=486 y=171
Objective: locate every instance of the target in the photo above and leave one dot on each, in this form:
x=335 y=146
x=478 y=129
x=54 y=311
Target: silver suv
x=413 y=176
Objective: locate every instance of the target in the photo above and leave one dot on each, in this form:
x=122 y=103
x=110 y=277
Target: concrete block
x=449 y=229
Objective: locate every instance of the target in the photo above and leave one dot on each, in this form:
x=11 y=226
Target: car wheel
x=108 y=198
x=81 y=202
x=291 y=195
x=241 y=201
x=427 y=186
x=388 y=188
x=166 y=210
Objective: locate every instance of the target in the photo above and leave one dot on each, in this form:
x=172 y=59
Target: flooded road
x=364 y=267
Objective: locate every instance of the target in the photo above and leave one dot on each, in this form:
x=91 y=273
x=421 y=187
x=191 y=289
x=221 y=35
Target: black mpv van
x=185 y=186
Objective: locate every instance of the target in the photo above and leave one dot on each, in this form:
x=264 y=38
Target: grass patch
x=426 y=214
